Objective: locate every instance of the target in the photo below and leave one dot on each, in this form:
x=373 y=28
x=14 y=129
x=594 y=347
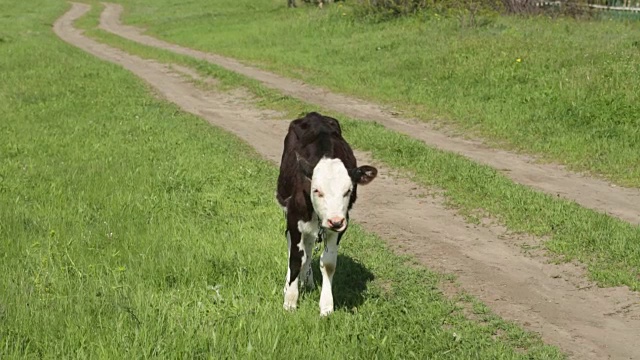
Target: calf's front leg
x=328 y=262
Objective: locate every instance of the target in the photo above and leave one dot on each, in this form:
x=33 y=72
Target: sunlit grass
x=129 y=229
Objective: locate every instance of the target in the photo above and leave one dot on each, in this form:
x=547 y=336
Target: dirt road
x=587 y=323
x=589 y=192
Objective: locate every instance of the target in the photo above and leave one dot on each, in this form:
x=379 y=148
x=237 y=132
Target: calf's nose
x=336 y=222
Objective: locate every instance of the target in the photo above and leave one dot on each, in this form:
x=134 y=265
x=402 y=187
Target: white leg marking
x=290 y=291
x=291 y=295
x=286 y=280
x=328 y=262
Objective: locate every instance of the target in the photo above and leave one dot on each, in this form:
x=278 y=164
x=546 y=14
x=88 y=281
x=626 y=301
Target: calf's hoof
x=290 y=298
x=326 y=311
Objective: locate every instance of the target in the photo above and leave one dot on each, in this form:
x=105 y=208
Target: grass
x=571 y=98
x=129 y=229
x=607 y=246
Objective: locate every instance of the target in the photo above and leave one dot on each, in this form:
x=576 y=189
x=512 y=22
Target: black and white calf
x=316 y=187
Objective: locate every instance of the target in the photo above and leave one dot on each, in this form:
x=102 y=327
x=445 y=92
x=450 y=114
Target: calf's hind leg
x=307 y=272
x=293 y=270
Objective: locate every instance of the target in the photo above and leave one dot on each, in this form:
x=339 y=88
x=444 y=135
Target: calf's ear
x=364 y=174
x=304 y=166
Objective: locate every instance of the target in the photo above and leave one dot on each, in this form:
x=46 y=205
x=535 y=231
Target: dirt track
x=590 y=323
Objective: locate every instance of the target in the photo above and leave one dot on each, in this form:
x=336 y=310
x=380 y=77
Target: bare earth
x=554 y=300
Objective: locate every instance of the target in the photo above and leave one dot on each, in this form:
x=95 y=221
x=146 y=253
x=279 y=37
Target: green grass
x=608 y=246
x=129 y=229
x=572 y=98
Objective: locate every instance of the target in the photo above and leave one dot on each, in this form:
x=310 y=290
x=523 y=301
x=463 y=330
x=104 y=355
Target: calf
x=316 y=188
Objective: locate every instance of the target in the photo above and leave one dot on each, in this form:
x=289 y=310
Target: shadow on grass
x=349 y=282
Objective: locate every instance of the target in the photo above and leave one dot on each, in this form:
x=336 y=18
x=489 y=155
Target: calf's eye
x=318 y=193
x=347 y=193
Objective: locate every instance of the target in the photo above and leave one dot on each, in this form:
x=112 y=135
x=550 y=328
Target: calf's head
x=331 y=187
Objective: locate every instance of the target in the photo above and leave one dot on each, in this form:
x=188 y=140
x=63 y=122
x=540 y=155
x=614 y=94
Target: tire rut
x=587 y=324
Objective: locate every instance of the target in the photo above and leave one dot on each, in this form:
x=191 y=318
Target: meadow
x=607 y=246
x=565 y=90
x=130 y=229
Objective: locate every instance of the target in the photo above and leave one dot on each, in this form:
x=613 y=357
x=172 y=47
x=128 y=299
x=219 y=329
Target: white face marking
x=331 y=188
